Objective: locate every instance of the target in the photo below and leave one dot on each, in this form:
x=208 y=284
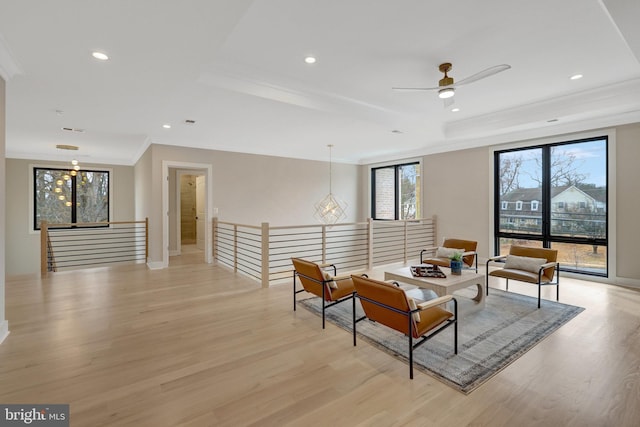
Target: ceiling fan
x=446 y=86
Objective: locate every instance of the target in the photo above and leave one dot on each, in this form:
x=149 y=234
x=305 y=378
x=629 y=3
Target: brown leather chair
x=469 y=256
x=331 y=289
x=388 y=305
x=536 y=265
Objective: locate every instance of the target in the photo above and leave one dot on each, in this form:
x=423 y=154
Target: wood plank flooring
x=197 y=345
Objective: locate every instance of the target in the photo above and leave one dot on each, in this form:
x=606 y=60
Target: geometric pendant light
x=330 y=210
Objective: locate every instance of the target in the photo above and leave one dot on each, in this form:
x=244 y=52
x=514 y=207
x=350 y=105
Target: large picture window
x=396 y=192
x=60 y=197
x=559 y=198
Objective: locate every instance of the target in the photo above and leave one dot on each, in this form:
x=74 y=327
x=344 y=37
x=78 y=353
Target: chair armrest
x=434 y=302
x=469 y=253
x=547 y=265
x=325 y=265
x=348 y=276
x=496 y=258
x=429 y=249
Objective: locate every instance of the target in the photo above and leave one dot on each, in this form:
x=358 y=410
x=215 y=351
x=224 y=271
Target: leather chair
x=316 y=280
x=530 y=265
x=389 y=305
x=469 y=256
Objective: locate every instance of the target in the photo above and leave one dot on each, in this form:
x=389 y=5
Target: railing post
x=405 y=240
x=146 y=240
x=265 y=254
x=434 y=227
x=44 y=258
x=370 y=243
x=324 y=244
x=235 y=248
x=214 y=238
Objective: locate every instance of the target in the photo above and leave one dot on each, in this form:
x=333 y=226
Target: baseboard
x=157 y=265
x=174 y=252
x=4 y=330
x=632 y=283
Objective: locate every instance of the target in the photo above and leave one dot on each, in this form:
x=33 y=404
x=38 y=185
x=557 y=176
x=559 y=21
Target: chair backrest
x=386 y=294
x=311 y=277
x=551 y=255
x=467 y=245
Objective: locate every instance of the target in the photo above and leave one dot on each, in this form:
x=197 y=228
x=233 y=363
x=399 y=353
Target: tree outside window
x=61 y=197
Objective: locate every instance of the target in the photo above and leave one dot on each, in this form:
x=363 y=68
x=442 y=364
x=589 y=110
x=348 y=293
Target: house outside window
x=59 y=197
x=505 y=205
x=395 y=192
x=563 y=190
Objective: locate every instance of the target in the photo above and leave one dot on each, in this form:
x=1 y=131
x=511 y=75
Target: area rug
x=488 y=339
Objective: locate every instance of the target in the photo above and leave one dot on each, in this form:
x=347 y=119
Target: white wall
x=24 y=256
x=627 y=175
x=4 y=325
x=251 y=189
x=458 y=190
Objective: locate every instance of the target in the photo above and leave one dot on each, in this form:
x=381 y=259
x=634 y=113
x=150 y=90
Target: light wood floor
x=198 y=345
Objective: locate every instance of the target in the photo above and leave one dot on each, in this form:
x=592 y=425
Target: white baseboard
x=174 y=252
x=632 y=283
x=157 y=265
x=4 y=330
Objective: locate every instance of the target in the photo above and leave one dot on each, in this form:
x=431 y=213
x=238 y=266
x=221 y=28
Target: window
x=395 y=192
x=505 y=205
x=518 y=205
x=60 y=197
x=563 y=180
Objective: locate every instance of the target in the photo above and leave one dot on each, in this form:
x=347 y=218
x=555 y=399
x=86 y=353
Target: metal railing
x=264 y=252
x=82 y=245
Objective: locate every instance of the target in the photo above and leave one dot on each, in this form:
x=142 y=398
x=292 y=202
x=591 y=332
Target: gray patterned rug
x=488 y=340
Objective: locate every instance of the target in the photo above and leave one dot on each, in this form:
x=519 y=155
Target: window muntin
x=61 y=198
x=570 y=213
x=396 y=192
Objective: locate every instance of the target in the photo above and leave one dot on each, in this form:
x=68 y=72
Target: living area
x=225 y=88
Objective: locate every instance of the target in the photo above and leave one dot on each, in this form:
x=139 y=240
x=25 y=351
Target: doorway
x=190 y=214
x=187 y=197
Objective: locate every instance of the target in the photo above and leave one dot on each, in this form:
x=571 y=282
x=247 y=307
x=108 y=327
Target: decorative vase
x=456 y=267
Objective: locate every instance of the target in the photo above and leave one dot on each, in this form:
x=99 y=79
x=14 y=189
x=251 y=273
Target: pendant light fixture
x=330 y=210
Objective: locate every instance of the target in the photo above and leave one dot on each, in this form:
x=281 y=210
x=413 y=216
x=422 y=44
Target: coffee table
x=443 y=286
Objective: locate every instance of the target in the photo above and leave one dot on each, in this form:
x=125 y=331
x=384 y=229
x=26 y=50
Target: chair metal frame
x=323 y=286
x=409 y=315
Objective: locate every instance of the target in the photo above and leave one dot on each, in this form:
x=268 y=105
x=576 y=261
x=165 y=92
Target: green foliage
x=457 y=256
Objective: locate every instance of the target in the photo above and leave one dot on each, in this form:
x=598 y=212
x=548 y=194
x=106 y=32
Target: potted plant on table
x=456 y=263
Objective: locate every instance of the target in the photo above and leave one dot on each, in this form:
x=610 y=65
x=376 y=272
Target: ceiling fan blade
x=415 y=88
x=483 y=74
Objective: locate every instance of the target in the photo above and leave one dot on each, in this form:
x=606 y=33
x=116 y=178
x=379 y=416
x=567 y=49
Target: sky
x=590 y=158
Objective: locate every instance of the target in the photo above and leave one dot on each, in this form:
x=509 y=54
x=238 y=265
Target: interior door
x=200 y=211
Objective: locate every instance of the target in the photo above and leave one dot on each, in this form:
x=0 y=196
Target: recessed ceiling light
x=166 y=126
x=455 y=110
x=310 y=59
x=576 y=77
x=100 y=55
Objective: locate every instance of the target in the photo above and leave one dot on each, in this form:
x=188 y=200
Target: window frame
x=396 y=166
x=35 y=228
x=547 y=238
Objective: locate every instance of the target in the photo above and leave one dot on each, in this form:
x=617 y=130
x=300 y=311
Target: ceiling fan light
x=446 y=93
